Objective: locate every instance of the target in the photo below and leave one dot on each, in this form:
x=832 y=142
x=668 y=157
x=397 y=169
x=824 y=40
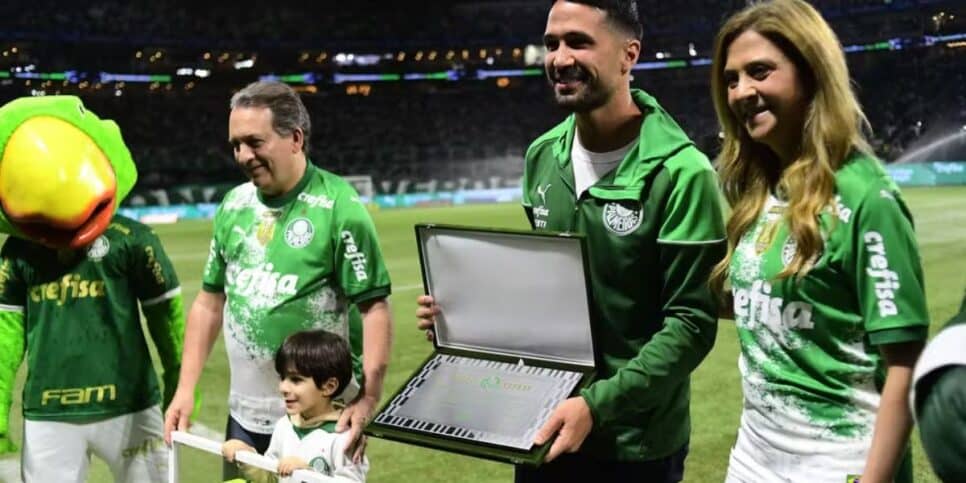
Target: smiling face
x=587 y=58
x=303 y=397
x=272 y=161
x=766 y=93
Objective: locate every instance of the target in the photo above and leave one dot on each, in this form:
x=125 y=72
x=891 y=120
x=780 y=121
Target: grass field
x=940 y=215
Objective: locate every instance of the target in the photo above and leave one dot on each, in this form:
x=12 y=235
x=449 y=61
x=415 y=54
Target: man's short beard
x=592 y=97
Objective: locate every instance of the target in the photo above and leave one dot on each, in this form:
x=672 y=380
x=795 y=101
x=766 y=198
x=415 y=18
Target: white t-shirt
x=320 y=447
x=589 y=166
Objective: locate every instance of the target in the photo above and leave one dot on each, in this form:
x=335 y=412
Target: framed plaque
x=513 y=340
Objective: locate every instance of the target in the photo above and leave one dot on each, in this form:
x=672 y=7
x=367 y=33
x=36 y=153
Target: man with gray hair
x=294 y=249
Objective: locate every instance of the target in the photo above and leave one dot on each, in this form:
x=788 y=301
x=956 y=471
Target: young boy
x=314 y=367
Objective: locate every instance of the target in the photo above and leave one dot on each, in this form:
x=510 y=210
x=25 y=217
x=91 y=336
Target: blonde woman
x=822 y=260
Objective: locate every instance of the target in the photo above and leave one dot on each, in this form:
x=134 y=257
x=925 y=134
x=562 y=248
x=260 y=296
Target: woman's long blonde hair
x=834 y=124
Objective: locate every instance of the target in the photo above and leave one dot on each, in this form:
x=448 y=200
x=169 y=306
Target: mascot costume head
x=63 y=171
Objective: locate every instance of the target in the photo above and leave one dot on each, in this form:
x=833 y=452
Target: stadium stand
x=431 y=134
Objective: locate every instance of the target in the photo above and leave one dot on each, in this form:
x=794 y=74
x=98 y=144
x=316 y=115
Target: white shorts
x=132 y=445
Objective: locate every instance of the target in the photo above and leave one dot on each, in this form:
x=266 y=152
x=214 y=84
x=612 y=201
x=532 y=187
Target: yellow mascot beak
x=56 y=184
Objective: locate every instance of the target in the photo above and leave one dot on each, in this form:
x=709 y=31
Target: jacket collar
x=660 y=138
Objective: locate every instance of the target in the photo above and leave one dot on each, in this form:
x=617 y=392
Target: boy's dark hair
x=622 y=13
x=316 y=353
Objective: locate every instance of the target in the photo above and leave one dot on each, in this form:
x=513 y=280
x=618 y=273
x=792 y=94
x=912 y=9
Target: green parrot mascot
x=63 y=173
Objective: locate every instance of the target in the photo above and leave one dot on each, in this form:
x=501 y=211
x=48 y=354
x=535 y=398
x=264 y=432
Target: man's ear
x=330 y=386
x=298 y=140
x=632 y=51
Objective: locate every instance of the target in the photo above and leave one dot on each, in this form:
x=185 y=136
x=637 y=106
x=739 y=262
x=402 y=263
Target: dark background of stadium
x=426 y=135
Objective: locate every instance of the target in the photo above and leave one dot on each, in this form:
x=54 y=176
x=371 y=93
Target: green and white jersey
x=810 y=365
x=319 y=446
x=297 y=262
x=87 y=357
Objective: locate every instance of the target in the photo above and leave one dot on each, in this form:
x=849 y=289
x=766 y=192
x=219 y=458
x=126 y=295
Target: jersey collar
x=326 y=425
x=282 y=200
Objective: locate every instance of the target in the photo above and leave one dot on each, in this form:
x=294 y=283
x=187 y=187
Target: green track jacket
x=654 y=230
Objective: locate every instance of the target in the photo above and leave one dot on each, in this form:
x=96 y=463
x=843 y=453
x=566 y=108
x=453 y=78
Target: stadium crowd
x=421 y=131
x=436 y=22
x=473 y=129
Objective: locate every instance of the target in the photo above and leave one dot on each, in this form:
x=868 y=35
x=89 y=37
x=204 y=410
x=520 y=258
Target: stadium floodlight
x=180 y=438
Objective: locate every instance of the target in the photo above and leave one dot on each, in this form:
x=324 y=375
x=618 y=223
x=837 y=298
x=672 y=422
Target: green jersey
x=300 y=261
x=810 y=365
x=87 y=357
x=654 y=230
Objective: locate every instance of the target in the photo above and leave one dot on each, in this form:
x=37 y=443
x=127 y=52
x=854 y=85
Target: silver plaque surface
x=480 y=400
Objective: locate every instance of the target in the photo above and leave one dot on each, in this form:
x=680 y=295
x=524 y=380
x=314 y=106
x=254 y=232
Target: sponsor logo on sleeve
x=355 y=257
x=154 y=266
x=5 y=274
x=885 y=281
x=540 y=213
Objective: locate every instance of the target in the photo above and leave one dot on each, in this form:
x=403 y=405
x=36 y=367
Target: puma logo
x=543 y=192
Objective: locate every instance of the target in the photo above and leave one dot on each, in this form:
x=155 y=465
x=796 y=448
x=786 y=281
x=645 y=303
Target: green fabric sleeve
x=693 y=211
x=887 y=269
x=897 y=336
x=525 y=184
x=374 y=294
x=213 y=277
x=688 y=332
x=153 y=273
x=12 y=345
x=359 y=264
x=166 y=323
